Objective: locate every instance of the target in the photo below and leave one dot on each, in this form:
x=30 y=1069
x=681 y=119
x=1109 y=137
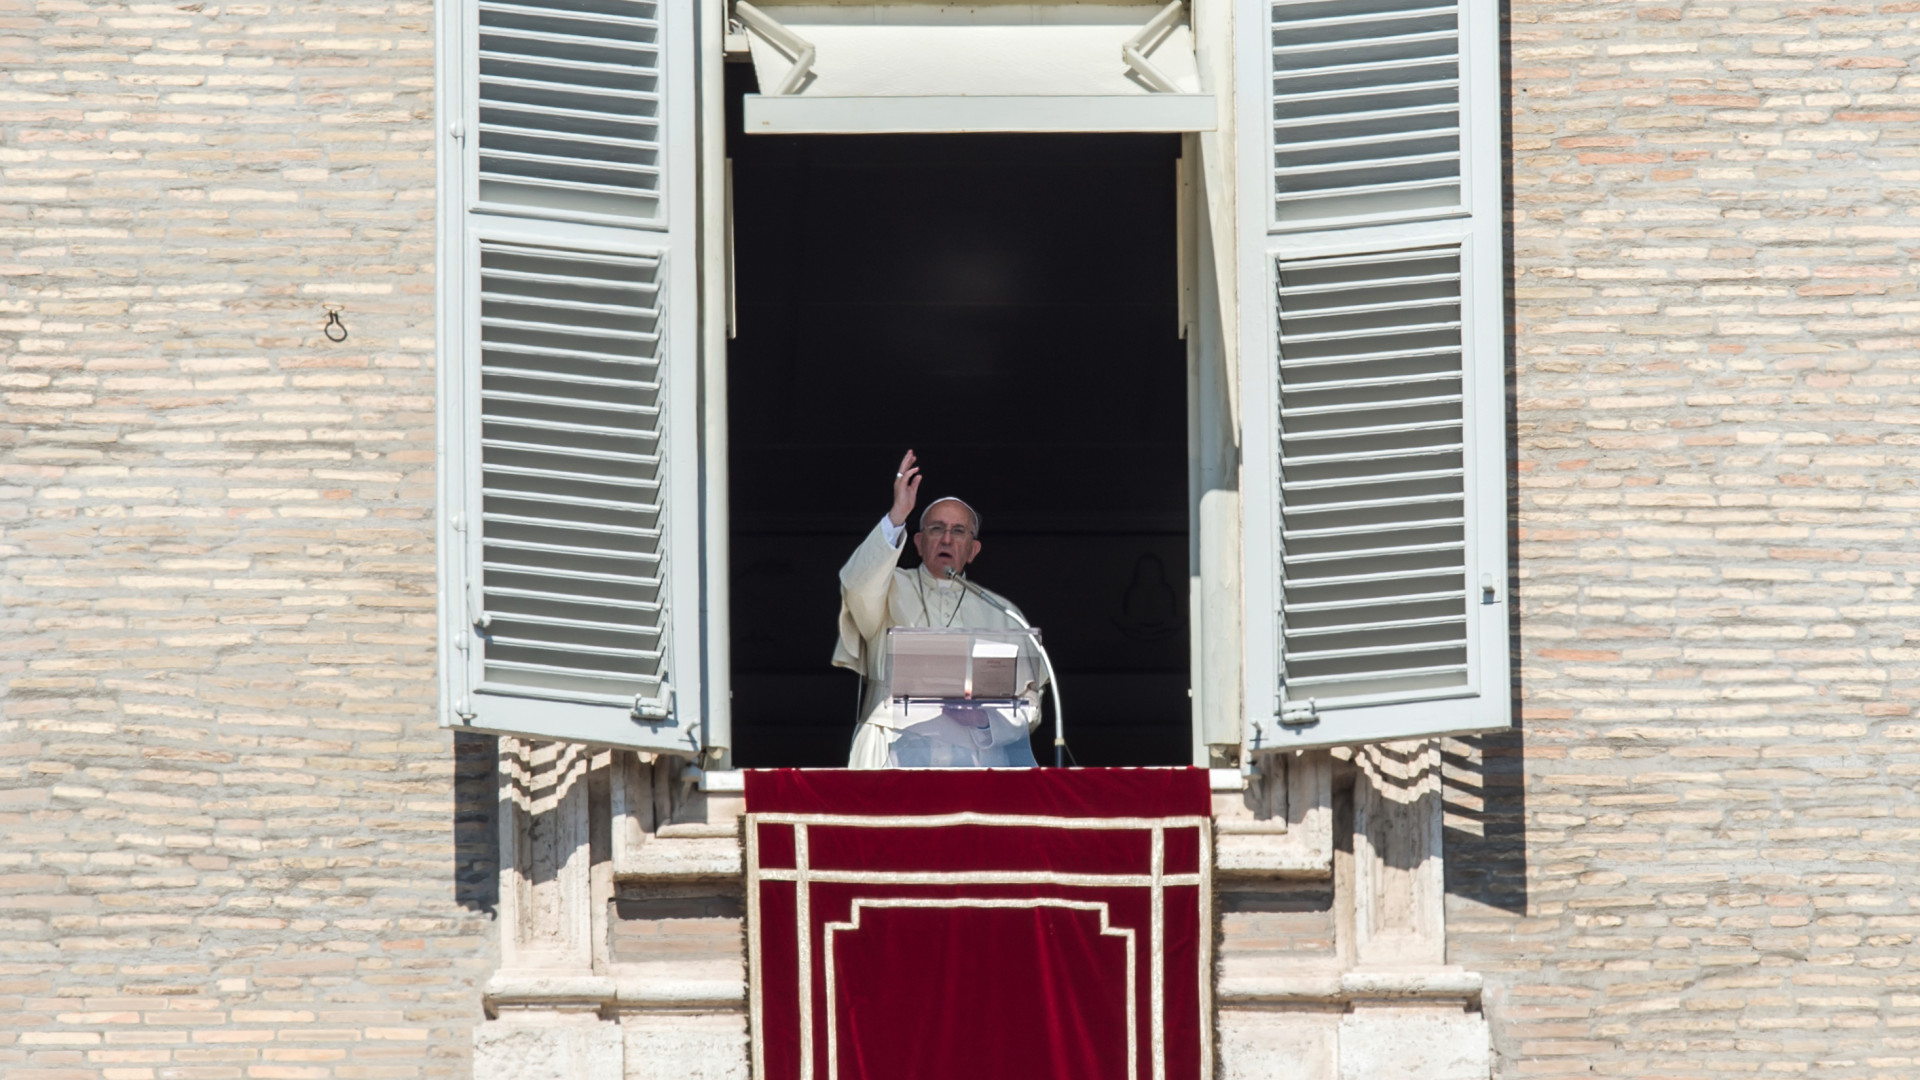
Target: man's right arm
x=867 y=575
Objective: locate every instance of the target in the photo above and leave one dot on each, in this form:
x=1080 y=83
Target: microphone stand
x=1053 y=680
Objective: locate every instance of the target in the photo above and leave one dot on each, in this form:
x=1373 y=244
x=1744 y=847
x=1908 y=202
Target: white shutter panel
x=569 y=346
x=1374 y=379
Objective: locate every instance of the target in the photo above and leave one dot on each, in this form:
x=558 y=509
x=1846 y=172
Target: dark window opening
x=1006 y=306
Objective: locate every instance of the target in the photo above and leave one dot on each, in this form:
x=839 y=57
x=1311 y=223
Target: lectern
x=962 y=698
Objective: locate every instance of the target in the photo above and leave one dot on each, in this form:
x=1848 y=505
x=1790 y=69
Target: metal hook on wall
x=334 y=323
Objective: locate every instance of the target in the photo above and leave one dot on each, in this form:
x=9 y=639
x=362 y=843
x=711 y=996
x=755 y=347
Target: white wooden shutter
x=569 y=607
x=1373 y=466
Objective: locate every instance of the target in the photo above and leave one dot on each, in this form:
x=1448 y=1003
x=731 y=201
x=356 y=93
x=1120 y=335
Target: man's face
x=945 y=540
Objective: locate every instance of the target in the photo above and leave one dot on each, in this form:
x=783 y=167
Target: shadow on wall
x=1484 y=797
x=476 y=816
x=1484 y=776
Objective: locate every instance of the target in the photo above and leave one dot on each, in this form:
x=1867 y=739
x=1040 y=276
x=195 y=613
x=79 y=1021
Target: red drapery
x=974 y=924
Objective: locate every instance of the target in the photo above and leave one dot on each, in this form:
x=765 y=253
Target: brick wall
x=237 y=846
x=1704 y=857
x=236 y=843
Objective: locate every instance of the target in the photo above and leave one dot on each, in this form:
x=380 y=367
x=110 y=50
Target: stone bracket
x=1278 y=821
x=666 y=828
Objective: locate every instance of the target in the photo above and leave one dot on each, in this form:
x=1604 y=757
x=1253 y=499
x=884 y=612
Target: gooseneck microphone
x=1053 y=680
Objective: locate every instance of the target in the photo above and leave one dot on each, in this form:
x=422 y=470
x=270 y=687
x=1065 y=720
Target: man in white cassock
x=877 y=594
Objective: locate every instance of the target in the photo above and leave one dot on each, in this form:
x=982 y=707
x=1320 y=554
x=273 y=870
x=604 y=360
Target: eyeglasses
x=960 y=533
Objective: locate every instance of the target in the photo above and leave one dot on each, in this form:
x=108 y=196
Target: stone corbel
x=574 y=820
x=1382 y=1004
x=1398 y=883
x=673 y=821
x=1412 y=1016
x=548 y=1003
x=547 y=886
x=1278 y=822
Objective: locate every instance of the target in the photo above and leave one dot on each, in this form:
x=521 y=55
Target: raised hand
x=906 y=490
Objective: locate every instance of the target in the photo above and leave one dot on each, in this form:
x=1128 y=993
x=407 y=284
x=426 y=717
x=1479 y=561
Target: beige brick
x=188 y=869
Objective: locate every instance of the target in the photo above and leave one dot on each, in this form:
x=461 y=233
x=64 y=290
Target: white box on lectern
x=961 y=664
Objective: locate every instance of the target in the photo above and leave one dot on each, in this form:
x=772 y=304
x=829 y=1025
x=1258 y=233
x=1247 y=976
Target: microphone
x=1053 y=680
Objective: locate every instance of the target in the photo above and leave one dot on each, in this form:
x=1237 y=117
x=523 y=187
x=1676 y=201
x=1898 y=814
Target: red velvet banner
x=966 y=924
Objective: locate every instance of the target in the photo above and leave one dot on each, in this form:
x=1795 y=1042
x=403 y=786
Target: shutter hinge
x=458 y=130
x=653 y=710
x=1489 y=592
x=476 y=609
x=1299 y=713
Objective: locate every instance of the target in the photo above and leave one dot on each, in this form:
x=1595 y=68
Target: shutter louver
x=1366 y=110
x=1372 y=484
x=569 y=107
x=571 y=411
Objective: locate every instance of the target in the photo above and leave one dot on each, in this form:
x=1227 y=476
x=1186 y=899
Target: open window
x=1008 y=306
x=1373 y=376
x=1345 y=539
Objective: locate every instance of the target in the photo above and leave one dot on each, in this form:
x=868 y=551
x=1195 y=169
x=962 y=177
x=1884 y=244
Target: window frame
x=691 y=226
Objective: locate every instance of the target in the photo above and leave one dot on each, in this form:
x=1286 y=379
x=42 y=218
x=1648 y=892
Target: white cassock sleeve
x=864 y=583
